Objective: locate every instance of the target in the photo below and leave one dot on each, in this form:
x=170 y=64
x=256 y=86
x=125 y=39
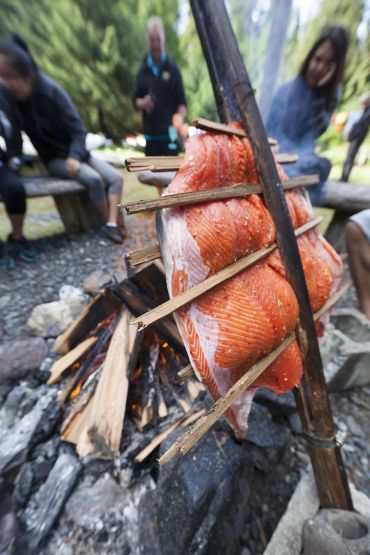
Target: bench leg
x=335 y=231
x=78 y=213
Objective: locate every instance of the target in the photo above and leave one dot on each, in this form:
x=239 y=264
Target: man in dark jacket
x=356 y=136
x=159 y=94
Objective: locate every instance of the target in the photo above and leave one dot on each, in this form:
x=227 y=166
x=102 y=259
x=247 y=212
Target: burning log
x=96 y=311
x=103 y=429
x=62 y=364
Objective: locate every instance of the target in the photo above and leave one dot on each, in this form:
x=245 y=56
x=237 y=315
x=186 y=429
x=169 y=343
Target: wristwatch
x=15 y=162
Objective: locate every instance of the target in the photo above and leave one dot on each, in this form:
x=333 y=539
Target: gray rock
x=262 y=431
x=15 y=443
x=352 y=323
x=51 y=319
x=20 y=357
x=336 y=532
x=45 y=506
x=8 y=533
x=82 y=508
x=96 y=281
x=207 y=491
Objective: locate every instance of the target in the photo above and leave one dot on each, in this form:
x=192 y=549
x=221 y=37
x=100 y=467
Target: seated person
x=358 y=248
x=46 y=113
x=13 y=196
x=301 y=109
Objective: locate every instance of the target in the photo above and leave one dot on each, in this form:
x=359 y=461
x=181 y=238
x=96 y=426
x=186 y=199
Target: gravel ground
x=64 y=260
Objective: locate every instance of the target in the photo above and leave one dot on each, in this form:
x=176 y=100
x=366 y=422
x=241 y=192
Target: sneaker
x=112 y=233
x=6 y=261
x=22 y=248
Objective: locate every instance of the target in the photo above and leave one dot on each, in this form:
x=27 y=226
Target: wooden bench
x=346 y=199
x=76 y=210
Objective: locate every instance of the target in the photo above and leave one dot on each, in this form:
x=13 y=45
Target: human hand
x=72 y=166
x=146 y=103
x=177 y=120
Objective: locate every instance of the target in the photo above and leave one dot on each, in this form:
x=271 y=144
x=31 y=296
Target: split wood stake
x=207 y=125
x=147 y=254
x=183 y=421
x=174 y=163
x=186 y=372
x=177 y=302
x=208 y=195
x=187 y=440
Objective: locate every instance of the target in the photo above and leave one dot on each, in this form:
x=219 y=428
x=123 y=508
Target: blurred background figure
x=301 y=109
x=159 y=94
x=357 y=135
x=41 y=108
x=358 y=248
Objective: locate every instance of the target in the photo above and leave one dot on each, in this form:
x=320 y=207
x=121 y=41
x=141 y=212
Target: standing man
x=159 y=94
x=356 y=136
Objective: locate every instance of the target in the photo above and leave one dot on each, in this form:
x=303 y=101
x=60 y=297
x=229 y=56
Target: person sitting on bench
x=301 y=109
x=46 y=113
x=14 y=197
x=358 y=248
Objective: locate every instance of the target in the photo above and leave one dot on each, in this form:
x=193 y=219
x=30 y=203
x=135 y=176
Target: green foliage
x=94 y=49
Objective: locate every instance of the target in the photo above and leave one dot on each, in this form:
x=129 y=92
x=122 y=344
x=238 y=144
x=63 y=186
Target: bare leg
x=17 y=225
x=113 y=201
x=358 y=249
x=102 y=206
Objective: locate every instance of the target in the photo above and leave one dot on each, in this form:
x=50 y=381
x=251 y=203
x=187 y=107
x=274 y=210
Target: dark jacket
x=50 y=120
x=167 y=91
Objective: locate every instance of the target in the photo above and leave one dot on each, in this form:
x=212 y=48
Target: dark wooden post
x=235 y=100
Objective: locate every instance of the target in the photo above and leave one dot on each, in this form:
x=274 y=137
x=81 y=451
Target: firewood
x=183 y=421
x=180 y=300
x=102 y=433
x=207 y=195
x=185 y=442
x=99 y=308
x=62 y=364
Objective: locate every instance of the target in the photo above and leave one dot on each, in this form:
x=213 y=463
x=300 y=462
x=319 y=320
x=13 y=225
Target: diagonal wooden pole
x=235 y=100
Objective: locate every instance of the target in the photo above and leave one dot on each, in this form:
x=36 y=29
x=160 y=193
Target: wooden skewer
x=134 y=258
x=187 y=440
x=219 y=193
x=186 y=372
x=183 y=421
x=207 y=125
x=180 y=300
x=173 y=163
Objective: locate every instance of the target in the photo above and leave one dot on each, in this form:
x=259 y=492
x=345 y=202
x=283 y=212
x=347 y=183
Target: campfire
x=112 y=372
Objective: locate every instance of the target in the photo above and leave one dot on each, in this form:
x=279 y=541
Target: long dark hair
x=338 y=37
x=18 y=56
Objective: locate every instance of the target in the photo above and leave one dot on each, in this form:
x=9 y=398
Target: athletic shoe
x=6 y=261
x=22 y=248
x=112 y=233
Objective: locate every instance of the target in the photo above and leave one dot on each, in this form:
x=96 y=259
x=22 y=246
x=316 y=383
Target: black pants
x=350 y=158
x=12 y=191
x=160 y=148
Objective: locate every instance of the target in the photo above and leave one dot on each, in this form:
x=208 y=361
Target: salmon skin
x=229 y=328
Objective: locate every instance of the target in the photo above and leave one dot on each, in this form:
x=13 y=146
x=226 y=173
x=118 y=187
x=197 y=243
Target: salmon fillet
x=229 y=328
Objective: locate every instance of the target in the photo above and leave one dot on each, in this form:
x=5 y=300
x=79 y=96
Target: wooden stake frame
x=235 y=101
